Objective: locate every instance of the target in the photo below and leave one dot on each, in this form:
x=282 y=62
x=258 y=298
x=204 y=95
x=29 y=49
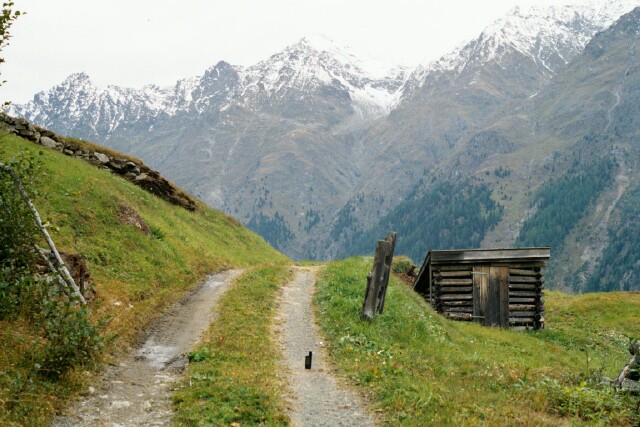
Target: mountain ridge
x=291 y=148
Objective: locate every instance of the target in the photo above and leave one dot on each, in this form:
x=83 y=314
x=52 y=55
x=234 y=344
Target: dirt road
x=138 y=391
x=317 y=397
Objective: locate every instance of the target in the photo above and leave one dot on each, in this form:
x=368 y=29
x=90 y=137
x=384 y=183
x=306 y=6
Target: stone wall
x=132 y=170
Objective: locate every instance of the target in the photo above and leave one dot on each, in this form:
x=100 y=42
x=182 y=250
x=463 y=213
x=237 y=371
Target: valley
x=314 y=147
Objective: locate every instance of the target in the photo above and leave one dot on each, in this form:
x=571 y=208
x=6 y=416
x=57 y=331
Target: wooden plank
x=455 y=282
x=488 y=255
x=525 y=279
x=382 y=294
x=468 y=309
x=492 y=310
x=521 y=307
x=523 y=265
x=524 y=293
x=453 y=267
x=522 y=287
x=456 y=289
x=480 y=291
x=461 y=273
x=523 y=272
x=522 y=300
x=456 y=297
x=503 y=289
x=374 y=281
x=521 y=321
x=459 y=316
x=457 y=303
x=513 y=314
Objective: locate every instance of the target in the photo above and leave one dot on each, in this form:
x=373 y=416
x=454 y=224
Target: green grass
x=232 y=377
x=135 y=275
x=421 y=369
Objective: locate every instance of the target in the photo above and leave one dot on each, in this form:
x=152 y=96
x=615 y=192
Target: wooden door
x=491 y=295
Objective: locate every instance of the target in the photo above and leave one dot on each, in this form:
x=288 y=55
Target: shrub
x=66 y=335
x=587 y=400
x=403 y=265
x=17 y=227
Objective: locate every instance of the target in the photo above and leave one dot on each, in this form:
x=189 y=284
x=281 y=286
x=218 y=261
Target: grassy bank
x=232 y=377
x=136 y=273
x=420 y=369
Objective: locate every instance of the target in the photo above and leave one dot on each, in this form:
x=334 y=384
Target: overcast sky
x=137 y=42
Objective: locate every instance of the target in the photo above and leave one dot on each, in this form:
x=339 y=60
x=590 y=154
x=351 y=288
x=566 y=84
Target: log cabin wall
x=526 y=292
x=495 y=287
x=453 y=291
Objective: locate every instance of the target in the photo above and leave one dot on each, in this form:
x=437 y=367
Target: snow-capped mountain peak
x=555 y=28
x=374 y=68
x=316 y=61
x=549 y=36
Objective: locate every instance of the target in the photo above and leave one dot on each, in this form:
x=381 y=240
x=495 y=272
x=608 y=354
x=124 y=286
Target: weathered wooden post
x=378 y=278
x=382 y=294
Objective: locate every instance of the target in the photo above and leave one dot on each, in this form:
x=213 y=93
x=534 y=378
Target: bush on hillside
x=403 y=265
x=17 y=227
x=66 y=335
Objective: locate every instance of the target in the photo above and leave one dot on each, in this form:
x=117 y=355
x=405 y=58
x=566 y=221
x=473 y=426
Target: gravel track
x=316 y=396
x=138 y=391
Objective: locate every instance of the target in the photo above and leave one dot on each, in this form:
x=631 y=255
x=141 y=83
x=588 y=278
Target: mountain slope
x=452 y=100
x=564 y=166
x=591 y=109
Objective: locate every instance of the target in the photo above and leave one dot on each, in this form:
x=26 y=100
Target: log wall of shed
x=491 y=294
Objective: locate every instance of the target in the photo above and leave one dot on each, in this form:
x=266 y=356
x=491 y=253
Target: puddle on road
x=158 y=356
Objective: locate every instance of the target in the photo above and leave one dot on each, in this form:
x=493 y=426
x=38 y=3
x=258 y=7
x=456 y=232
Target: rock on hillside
x=131 y=169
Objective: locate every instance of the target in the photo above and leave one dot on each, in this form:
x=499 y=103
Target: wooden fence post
x=378 y=278
x=382 y=294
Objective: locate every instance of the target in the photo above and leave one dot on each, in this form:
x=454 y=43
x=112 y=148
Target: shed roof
x=472 y=256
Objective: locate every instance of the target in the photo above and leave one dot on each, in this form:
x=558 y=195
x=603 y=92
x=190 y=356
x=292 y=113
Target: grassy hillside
x=421 y=369
x=135 y=273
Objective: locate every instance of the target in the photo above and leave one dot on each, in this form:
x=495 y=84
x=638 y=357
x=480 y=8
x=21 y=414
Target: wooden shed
x=495 y=287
